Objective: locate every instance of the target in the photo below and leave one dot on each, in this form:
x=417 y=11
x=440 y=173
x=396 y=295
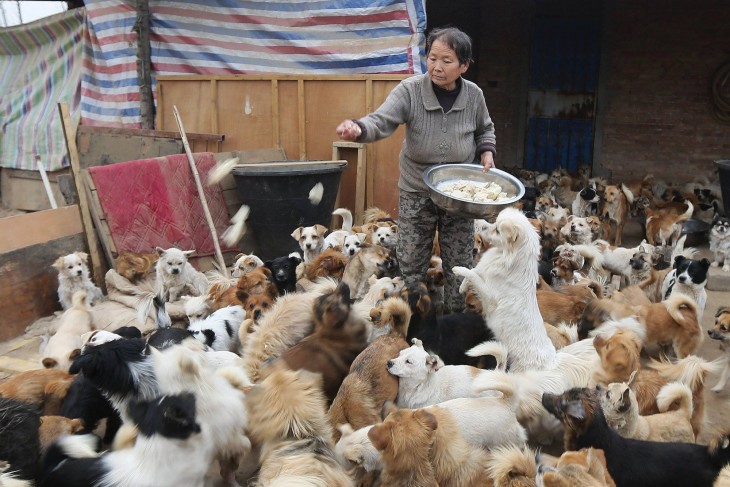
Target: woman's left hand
x=487 y=160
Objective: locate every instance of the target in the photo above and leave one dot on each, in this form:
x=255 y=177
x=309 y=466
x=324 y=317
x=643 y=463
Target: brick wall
x=654 y=109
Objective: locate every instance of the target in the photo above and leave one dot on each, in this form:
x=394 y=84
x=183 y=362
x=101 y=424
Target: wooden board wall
x=295 y=112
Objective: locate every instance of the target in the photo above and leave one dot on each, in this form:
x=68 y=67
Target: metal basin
x=471 y=172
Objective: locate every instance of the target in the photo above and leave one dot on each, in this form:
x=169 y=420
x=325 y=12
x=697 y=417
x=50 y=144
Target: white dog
x=311 y=240
x=336 y=239
x=353 y=242
x=424 y=380
x=197 y=307
x=73 y=275
x=175 y=275
x=505 y=281
x=245 y=264
x=219 y=331
x=65 y=345
x=720 y=242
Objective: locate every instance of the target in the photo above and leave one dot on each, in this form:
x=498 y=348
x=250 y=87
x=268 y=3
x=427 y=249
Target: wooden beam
x=163 y=134
x=370 y=165
x=69 y=132
x=213 y=107
x=302 y=120
x=144 y=64
x=276 y=142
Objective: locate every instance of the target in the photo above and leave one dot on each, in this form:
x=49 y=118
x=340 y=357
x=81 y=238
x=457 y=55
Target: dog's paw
x=461 y=271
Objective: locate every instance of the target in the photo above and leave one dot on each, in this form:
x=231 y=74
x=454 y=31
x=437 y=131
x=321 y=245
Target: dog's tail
x=592 y=256
x=144 y=306
x=324 y=285
x=688 y=253
x=235 y=376
x=506 y=385
x=570 y=332
x=690 y=371
x=70 y=447
x=78 y=300
x=681 y=302
x=346 y=218
x=10 y=480
x=511 y=462
x=297 y=481
x=687 y=214
x=627 y=192
x=493 y=348
x=675 y=391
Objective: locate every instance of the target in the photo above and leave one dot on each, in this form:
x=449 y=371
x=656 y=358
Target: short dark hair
x=455 y=38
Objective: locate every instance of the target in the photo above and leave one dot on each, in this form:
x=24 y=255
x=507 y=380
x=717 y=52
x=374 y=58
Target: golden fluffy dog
x=405 y=439
x=330 y=263
x=721 y=332
x=256 y=305
x=286 y=417
x=672 y=321
x=511 y=466
x=372 y=259
x=65 y=344
x=43 y=388
x=256 y=281
x=135 y=266
x=368 y=385
x=583 y=468
x=617 y=201
x=336 y=341
x=556 y=307
x=667 y=226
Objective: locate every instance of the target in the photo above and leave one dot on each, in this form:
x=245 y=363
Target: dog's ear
x=361 y=236
x=345 y=429
x=295 y=260
x=508 y=231
x=82 y=255
x=76 y=425
x=375 y=314
x=433 y=362
x=576 y=410
x=678 y=260
x=379 y=435
x=705 y=263
x=320 y=229
x=238 y=256
x=297 y=234
x=266 y=270
x=74 y=353
x=626 y=398
x=49 y=362
x=188 y=253
x=388 y=408
x=427 y=419
x=721 y=310
x=58 y=264
x=160 y=251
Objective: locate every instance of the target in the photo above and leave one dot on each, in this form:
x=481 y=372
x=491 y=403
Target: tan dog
x=135 y=266
x=310 y=240
x=43 y=388
x=65 y=344
x=556 y=307
x=583 y=468
x=616 y=206
x=511 y=466
x=286 y=417
x=335 y=343
x=368 y=386
x=405 y=439
x=561 y=335
x=672 y=321
x=721 y=332
x=330 y=263
x=245 y=264
x=622 y=413
x=372 y=259
x=666 y=226
x=53 y=427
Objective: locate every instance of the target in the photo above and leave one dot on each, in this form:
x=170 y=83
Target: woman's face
x=443 y=65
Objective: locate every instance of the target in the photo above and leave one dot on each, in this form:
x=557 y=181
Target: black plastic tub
x=278 y=198
x=724 y=168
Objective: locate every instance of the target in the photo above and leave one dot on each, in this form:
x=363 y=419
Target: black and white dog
x=219 y=331
x=688 y=276
x=167 y=451
x=720 y=242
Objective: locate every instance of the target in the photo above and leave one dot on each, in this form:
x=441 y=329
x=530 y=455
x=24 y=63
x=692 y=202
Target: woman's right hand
x=349 y=130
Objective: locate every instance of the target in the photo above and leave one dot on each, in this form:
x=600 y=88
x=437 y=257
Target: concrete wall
x=654 y=112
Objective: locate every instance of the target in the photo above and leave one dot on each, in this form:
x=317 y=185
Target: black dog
x=85 y=401
x=284 y=272
x=19 y=442
x=448 y=336
x=632 y=463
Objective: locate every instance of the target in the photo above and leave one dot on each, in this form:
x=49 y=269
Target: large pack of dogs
x=323 y=368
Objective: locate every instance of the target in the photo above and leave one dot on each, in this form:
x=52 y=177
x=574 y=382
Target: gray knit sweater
x=432 y=136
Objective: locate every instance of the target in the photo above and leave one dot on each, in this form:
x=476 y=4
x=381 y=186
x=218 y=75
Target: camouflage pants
x=418 y=218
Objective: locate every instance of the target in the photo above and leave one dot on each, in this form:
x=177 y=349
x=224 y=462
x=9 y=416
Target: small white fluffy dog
x=197 y=307
x=245 y=264
x=311 y=240
x=219 y=331
x=65 y=345
x=73 y=275
x=336 y=239
x=176 y=276
x=720 y=242
x=505 y=280
x=353 y=242
x=385 y=235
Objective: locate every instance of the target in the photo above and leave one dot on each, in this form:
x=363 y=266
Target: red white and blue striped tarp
x=93 y=54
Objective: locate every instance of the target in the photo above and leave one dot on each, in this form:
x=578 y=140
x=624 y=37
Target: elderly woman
x=446 y=120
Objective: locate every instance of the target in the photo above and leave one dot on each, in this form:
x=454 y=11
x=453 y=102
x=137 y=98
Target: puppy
x=310 y=240
x=334 y=344
x=65 y=345
x=258 y=281
x=167 y=435
x=19 y=441
x=566 y=272
x=721 y=332
x=256 y=305
x=616 y=206
x=175 y=275
x=219 y=331
x=405 y=439
x=383 y=233
x=284 y=272
x=622 y=413
x=584 y=468
x=286 y=412
x=688 y=277
x=330 y=263
x=511 y=466
x=135 y=266
x=245 y=264
x=368 y=385
x=372 y=259
x=45 y=389
x=630 y=462
x=73 y=276
x=720 y=242
x=352 y=243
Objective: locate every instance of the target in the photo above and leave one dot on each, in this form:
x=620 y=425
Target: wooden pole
x=201 y=193
x=144 y=64
x=69 y=132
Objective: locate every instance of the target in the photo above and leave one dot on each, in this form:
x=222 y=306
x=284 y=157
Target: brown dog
x=513 y=467
x=43 y=388
x=405 y=439
x=330 y=263
x=335 y=343
x=666 y=225
x=256 y=305
x=372 y=259
x=672 y=321
x=582 y=468
x=135 y=266
x=721 y=332
x=617 y=201
x=53 y=427
x=556 y=307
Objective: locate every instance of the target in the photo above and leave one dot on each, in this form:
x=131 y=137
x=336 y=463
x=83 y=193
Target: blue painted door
x=563 y=78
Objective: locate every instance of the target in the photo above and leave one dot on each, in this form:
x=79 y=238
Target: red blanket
x=154 y=203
